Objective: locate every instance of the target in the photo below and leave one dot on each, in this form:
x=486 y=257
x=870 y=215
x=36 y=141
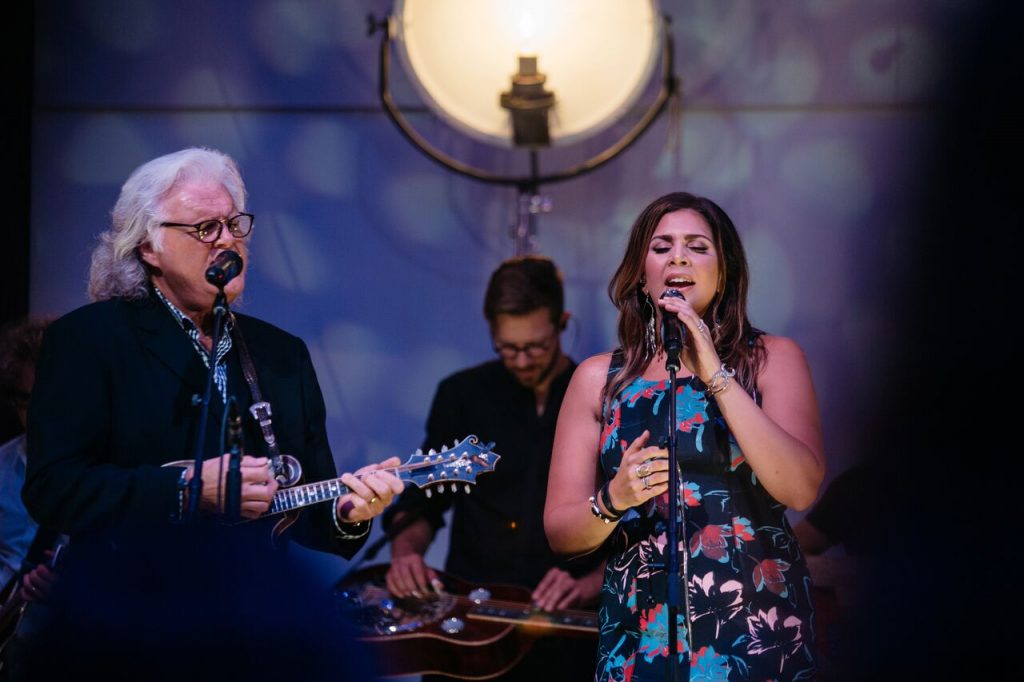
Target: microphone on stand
x=673 y=333
x=233 y=484
x=225 y=267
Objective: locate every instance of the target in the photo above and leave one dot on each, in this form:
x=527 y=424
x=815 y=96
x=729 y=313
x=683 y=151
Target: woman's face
x=682 y=256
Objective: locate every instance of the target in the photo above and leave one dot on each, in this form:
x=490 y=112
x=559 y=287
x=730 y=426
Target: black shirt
x=497 y=530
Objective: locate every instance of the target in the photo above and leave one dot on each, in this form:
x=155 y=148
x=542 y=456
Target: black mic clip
x=673 y=333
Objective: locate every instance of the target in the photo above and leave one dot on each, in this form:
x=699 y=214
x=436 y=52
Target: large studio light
x=528 y=74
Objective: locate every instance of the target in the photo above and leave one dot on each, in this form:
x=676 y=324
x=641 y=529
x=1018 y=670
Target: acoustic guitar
x=473 y=632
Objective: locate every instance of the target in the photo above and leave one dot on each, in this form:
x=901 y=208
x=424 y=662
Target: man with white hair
x=116 y=379
x=116 y=398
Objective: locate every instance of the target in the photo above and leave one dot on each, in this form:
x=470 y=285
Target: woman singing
x=749 y=446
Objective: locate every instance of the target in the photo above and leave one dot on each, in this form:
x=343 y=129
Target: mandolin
x=452 y=469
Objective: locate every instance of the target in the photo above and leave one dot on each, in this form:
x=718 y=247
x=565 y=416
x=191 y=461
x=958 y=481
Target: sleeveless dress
x=749 y=591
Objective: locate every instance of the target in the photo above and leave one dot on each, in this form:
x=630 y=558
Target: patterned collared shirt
x=220 y=374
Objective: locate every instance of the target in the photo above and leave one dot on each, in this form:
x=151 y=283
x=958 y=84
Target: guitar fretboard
x=305 y=495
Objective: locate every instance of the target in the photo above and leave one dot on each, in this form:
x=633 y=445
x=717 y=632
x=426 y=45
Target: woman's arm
x=781 y=440
x=569 y=522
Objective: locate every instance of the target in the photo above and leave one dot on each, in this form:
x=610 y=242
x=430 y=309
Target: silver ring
x=643 y=470
x=701 y=327
x=374 y=499
x=647 y=482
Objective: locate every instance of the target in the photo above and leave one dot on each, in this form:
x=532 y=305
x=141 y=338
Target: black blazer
x=113 y=400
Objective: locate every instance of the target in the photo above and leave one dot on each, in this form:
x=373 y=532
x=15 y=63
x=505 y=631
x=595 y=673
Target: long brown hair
x=737 y=342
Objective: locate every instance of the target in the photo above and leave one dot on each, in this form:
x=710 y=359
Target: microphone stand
x=195 y=486
x=233 y=485
x=675 y=523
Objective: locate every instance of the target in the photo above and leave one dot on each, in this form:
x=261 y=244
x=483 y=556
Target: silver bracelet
x=721 y=379
x=345 y=535
x=182 y=486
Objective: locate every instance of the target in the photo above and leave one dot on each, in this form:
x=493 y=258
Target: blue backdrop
x=802 y=119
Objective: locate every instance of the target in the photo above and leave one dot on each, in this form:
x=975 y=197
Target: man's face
x=179 y=266
x=528 y=345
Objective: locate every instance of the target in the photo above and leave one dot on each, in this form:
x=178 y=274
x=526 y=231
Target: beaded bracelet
x=596 y=511
x=721 y=379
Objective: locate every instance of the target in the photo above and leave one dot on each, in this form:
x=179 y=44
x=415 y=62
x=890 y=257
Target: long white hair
x=117 y=269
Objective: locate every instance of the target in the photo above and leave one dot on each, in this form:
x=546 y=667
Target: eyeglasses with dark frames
x=209 y=231
x=534 y=350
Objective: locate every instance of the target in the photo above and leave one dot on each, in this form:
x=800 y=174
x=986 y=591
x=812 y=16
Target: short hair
x=20 y=342
x=117 y=269
x=522 y=285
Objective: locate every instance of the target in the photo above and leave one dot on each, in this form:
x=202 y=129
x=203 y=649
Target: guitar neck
x=300 y=496
x=579 y=621
x=305 y=495
x=450 y=468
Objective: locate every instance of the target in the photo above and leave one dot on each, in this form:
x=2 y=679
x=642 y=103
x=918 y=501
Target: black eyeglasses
x=208 y=231
x=510 y=351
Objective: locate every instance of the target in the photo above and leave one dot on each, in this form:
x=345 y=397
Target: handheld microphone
x=673 y=333
x=226 y=266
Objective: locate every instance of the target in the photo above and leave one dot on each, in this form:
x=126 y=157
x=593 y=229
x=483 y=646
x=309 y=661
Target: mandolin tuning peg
x=419 y=452
x=467 y=488
x=432 y=452
x=455 y=488
x=428 y=492
x=455 y=442
x=444 y=448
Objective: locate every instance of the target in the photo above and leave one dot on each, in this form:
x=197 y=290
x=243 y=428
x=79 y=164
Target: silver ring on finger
x=374 y=499
x=647 y=482
x=701 y=327
x=643 y=470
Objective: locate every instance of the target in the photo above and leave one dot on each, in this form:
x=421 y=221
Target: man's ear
x=148 y=254
x=564 y=320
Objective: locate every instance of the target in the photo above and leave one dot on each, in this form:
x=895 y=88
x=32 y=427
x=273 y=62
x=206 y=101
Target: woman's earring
x=649 y=332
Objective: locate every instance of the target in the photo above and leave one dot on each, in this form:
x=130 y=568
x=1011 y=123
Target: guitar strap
x=260 y=408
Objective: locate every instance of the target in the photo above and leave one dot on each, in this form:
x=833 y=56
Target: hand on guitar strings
x=373 y=487
x=409 y=575
x=559 y=590
x=258 y=485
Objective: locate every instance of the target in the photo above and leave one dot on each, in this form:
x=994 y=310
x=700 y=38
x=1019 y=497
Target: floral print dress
x=749 y=595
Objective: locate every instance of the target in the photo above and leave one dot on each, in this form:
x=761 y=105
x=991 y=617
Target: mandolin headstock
x=451 y=467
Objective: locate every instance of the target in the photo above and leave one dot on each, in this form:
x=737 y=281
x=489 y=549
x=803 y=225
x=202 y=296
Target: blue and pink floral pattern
x=748 y=586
